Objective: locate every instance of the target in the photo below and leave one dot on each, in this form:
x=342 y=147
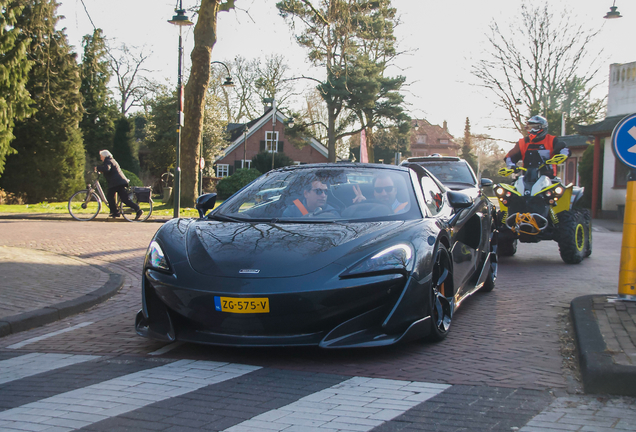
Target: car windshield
x=324 y=194
x=450 y=171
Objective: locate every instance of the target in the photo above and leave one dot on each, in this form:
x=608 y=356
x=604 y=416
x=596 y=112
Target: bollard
x=627 y=270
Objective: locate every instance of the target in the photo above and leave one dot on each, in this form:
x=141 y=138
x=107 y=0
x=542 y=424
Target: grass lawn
x=159 y=209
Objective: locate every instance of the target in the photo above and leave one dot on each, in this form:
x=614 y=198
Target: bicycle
x=86 y=204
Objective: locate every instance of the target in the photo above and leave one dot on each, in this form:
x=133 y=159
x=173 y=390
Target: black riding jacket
x=113 y=174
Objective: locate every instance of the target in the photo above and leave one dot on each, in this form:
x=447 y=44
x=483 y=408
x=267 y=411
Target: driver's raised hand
x=359 y=196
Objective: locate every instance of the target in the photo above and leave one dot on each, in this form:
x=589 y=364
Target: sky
x=441 y=40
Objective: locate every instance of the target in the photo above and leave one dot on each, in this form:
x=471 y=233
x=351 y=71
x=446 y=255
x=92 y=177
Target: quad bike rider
x=537 y=206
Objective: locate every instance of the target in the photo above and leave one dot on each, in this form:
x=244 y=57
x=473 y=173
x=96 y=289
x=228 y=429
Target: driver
x=314 y=201
x=538 y=141
x=384 y=192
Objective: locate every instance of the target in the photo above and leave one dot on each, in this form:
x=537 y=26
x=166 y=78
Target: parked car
x=353 y=272
x=455 y=173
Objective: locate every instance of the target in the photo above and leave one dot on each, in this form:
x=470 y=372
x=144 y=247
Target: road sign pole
x=624 y=147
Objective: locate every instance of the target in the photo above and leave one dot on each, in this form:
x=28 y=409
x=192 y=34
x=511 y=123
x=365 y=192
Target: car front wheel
x=441 y=311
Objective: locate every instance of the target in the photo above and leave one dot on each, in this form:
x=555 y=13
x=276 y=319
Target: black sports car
x=454 y=173
x=342 y=255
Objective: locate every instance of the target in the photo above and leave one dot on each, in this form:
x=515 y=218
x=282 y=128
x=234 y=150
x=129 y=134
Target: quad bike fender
x=565 y=202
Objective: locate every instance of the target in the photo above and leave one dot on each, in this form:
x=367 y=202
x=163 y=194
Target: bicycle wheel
x=82 y=209
x=129 y=214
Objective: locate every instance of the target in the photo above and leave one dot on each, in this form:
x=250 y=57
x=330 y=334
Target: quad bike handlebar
x=557 y=159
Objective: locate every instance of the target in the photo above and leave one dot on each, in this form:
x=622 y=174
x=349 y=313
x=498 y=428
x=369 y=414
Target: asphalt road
x=506 y=364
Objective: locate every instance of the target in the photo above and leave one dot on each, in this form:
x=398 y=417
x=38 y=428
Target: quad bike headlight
x=499 y=191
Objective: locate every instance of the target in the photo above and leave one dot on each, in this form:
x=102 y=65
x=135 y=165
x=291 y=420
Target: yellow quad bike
x=535 y=208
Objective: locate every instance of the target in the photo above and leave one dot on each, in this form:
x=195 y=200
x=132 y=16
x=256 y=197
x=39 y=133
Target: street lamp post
x=181 y=20
x=245 y=132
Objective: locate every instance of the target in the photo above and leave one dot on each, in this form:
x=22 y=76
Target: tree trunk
x=194 y=99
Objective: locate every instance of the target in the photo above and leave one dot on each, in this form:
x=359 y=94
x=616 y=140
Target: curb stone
x=39 y=317
x=598 y=371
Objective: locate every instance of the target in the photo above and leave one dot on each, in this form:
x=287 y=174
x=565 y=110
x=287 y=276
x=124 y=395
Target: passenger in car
x=385 y=192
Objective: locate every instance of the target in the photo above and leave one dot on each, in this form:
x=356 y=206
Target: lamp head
x=180 y=19
x=228 y=82
x=613 y=13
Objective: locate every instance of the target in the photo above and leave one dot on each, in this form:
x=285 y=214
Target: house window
x=246 y=164
x=421 y=139
x=222 y=170
x=443 y=141
x=271 y=141
x=620 y=174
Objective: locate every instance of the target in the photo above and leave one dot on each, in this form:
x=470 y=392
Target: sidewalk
x=40 y=287
x=605 y=330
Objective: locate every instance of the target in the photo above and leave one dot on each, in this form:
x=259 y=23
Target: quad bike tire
x=507 y=247
x=572 y=236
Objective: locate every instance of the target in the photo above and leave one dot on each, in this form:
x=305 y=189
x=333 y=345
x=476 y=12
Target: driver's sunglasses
x=319 y=191
x=387 y=189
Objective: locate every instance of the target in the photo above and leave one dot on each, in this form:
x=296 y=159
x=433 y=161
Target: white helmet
x=537 y=124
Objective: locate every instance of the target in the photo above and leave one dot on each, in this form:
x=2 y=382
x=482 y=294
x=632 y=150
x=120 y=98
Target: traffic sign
x=624 y=141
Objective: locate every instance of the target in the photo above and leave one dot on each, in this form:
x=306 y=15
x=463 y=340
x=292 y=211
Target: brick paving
x=25 y=270
x=617 y=323
x=509 y=337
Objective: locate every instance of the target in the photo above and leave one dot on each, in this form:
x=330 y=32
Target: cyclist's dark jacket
x=112 y=172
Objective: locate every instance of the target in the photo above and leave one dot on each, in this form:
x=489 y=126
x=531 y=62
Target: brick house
x=264 y=133
x=428 y=139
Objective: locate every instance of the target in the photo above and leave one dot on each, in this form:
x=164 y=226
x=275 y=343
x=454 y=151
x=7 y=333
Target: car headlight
x=398 y=257
x=155 y=257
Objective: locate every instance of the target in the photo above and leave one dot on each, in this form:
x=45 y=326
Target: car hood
x=232 y=249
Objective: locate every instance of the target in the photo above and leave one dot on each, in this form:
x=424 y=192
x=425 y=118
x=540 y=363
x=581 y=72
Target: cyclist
x=117 y=184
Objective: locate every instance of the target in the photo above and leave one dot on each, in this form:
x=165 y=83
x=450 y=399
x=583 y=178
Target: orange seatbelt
x=301 y=207
x=400 y=207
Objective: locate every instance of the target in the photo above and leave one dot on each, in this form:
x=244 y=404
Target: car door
x=466 y=233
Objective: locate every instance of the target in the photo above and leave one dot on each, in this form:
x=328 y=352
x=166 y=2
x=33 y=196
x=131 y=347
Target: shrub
x=586 y=174
x=228 y=186
x=263 y=161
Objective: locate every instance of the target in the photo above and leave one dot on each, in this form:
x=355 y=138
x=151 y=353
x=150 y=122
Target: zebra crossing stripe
x=48 y=335
x=32 y=364
x=358 y=404
x=83 y=407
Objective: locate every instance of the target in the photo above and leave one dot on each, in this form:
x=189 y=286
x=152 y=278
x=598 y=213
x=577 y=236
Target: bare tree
x=127 y=66
x=538 y=66
x=273 y=81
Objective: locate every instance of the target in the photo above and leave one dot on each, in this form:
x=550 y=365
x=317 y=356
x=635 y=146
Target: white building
x=621 y=101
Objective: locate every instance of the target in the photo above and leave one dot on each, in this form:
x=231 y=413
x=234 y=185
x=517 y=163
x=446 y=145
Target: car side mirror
x=204 y=203
x=459 y=200
x=486 y=182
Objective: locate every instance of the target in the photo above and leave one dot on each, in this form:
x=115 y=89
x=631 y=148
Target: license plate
x=241 y=305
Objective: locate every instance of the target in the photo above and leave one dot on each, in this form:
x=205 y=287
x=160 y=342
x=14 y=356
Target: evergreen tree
x=125 y=148
x=49 y=163
x=97 y=124
x=467 y=148
x=161 y=134
x=14 y=68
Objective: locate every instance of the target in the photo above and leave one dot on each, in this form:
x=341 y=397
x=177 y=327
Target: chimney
x=445 y=126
